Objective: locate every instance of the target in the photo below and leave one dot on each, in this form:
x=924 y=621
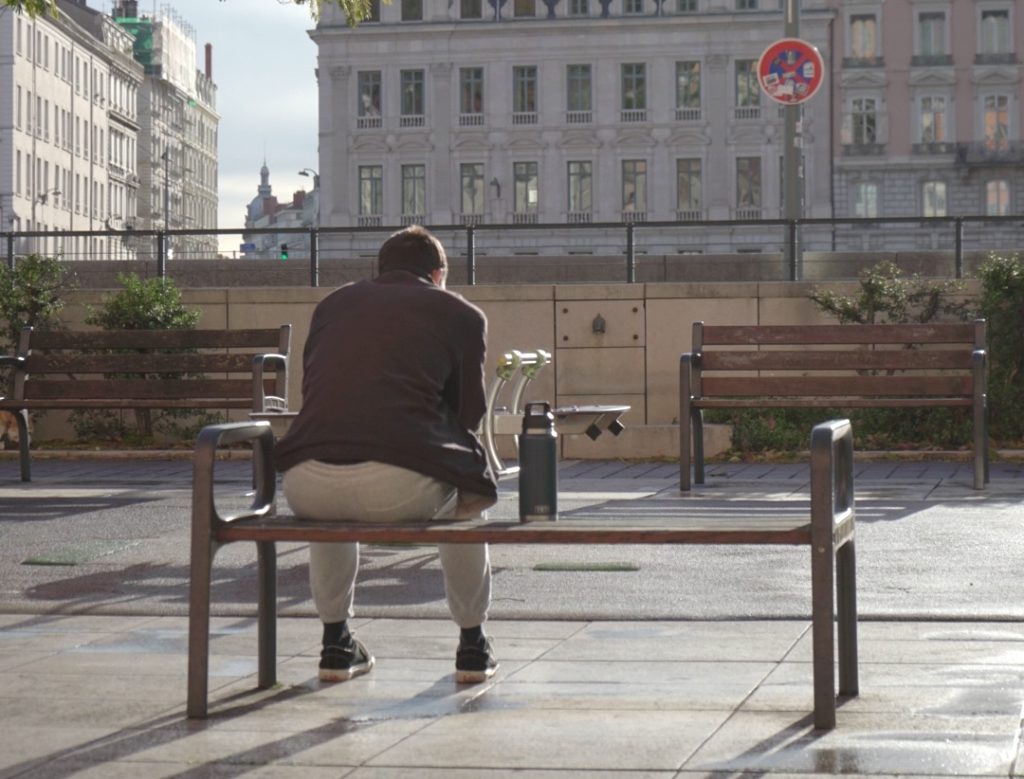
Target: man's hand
x=471 y=505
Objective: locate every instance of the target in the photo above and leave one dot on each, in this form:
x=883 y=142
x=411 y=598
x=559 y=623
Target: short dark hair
x=414 y=249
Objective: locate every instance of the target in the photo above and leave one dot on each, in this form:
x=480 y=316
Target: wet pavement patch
x=80 y=553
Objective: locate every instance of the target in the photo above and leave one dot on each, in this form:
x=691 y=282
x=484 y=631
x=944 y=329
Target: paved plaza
x=615 y=661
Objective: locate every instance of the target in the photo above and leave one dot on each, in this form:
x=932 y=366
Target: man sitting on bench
x=392 y=393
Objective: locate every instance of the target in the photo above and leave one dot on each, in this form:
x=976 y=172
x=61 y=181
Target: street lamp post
x=40 y=198
x=314 y=174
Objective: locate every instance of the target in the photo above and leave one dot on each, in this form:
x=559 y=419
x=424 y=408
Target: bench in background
x=832 y=366
x=827 y=528
x=146 y=369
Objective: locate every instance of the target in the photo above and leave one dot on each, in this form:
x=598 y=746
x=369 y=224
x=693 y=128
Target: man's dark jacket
x=393 y=372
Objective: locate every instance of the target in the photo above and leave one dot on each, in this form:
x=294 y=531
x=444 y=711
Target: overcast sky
x=263 y=66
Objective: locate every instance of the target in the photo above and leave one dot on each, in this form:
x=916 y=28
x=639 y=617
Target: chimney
x=300 y=199
x=209 y=62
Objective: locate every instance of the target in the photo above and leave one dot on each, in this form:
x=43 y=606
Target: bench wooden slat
x=850 y=359
x=753 y=335
x=707 y=529
x=137 y=362
x=837 y=386
x=113 y=390
x=755 y=402
x=266 y=339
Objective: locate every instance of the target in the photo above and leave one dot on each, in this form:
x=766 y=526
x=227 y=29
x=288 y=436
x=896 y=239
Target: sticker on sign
x=790 y=71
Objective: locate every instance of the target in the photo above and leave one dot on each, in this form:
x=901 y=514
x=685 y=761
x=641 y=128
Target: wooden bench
x=146 y=369
x=827 y=528
x=831 y=366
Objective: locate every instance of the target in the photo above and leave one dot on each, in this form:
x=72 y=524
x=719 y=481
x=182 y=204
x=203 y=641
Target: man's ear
x=437 y=275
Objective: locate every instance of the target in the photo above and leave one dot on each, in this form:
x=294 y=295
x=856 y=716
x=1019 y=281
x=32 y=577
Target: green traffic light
x=284 y=251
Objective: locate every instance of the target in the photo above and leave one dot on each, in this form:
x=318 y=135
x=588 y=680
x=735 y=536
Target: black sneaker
x=474 y=661
x=339 y=663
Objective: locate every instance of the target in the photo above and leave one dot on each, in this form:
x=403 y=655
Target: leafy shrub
x=142 y=304
x=1002 y=304
x=32 y=294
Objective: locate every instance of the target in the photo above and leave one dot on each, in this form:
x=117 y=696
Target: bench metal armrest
x=12 y=359
x=261 y=402
x=205 y=515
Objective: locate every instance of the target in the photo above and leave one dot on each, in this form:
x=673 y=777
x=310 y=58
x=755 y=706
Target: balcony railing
x=746 y=112
x=689 y=214
x=931 y=61
x=992 y=152
x=632 y=217
x=688 y=114
x=633 y=115
x=748 y=212
x=412 y=219
x=367 y=122
x=472 y=219
x=524 y=117
x=369 y=220
x=471 y=120
x=578 y=117
x=935 y=147
x=995 y=58
x=412 y=120
x=863 y=62
x=579 y=217
x=524 y=218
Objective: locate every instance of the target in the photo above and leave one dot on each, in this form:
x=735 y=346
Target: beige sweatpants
x=377 y=492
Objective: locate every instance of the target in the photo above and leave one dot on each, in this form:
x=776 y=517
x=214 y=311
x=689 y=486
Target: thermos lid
x=538 y=416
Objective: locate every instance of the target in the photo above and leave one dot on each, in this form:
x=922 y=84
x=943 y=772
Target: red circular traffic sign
x=790 y=71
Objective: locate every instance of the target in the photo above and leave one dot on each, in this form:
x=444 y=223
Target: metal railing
x=781 y=247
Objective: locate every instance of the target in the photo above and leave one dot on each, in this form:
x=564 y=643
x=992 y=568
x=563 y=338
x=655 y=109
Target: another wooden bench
x=146 y=369
x=831 y=366
x=827 y=527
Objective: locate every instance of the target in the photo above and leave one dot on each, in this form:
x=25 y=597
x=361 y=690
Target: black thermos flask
x=538 y=464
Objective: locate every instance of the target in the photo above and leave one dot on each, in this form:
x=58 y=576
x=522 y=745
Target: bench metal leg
x=823 y=637
x=267 y=627
x=846 y=598
x=21 y=417
x=698 y=445
x=199 y=628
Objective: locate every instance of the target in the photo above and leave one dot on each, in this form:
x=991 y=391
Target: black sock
x=472 y=635
x=336 y=633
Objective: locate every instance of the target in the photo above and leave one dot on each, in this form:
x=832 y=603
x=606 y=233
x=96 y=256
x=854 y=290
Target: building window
x=414 y=193
x=688 y=189
x=634 y=92
x=686 y=6
x=524 y=8
x=931 y=33
x=632 y=7
x=746 y=5
x=748 y=187
x=995 y=31
x=865 y=200
x=470 y=9
x=580 y=190
x=748 y=90
x=864 y=119
x=471 y=177
x=634 y=188
x=579 y=7
x=412 y=86
x=371 y=190
x=863 y=36
x=524 y=94
x=368 y=84
x=373 y=13
x=471 y=95
x=933 y=198
x=524 y=181
x=578 y=93
x=412 y=10
x=996 y=122
x=997 y=198
x=933 y=119
x=688 y=90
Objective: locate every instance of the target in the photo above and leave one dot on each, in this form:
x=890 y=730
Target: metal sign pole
x=791 y=155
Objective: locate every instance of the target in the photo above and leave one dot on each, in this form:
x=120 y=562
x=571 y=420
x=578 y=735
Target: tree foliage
x=886 y=295
x=143 y=304
x=32 y=294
